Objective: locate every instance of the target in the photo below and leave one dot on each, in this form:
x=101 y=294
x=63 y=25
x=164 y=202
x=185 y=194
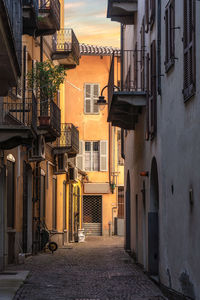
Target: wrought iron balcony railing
x=126 y=102
x=14 y=12
x=65 y=41
x=69 y=139
x=49 y=117
x=18 y=113
x=51 y=8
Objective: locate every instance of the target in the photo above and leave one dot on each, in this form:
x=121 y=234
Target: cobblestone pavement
x=98 y=269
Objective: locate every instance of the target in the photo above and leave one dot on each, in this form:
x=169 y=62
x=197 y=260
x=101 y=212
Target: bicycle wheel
x=52 y=246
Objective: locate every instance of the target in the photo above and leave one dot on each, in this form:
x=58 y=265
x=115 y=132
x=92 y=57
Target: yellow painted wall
x=92 y=69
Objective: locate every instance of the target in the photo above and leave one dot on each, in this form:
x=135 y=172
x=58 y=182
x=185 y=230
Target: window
x=169 y=35
x=91 y=91
x=119 y=148
x=146 y=16
x=189 y=49
x=54 y=204
x=92 y=156
x=153 y=91
x=152 y=12
x=121 y=202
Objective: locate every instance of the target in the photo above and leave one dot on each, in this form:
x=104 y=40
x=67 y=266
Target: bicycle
x=45 y=237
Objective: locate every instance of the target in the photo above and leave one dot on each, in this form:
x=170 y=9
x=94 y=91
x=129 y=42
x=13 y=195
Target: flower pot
x=44 y=120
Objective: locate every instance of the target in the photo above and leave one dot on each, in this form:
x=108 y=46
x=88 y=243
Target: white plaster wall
x=176 y=149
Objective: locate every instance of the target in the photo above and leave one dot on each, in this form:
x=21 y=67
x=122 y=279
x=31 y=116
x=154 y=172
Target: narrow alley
x=97 y=269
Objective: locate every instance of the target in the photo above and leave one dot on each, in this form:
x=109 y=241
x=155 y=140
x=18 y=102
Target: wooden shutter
x=169 y=35
x=189 y=82
x=147 y=106
x=80 y=156
x=103 y=155
x=95 y=98
x=146 y=16
x=152 y=12
x=153 y=98
x=88 y=96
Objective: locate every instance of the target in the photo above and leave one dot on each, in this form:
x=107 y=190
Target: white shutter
x=95 y=98
x=80 y=156
x=87 y=100
x=103 y=155
x=34 y=66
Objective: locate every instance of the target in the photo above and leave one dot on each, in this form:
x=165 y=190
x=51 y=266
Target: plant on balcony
x=44 y=80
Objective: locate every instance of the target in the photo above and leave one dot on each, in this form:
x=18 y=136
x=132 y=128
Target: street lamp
x=102 y=101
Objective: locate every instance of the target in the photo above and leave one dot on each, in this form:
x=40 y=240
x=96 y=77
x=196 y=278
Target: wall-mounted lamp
x=102 y=101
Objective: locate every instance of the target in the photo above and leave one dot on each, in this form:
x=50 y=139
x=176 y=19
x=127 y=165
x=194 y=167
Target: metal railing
x=49 y=115
x=14 y=11
x=65 y=40
x=69 y=137
x=19 y=113
x=54 y=6
x=33 y=3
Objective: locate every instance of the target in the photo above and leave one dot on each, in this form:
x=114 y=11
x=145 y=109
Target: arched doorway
x=128 y=214
x=153 y=222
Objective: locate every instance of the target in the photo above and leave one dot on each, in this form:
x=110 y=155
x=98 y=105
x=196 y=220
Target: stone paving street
x=98 y=269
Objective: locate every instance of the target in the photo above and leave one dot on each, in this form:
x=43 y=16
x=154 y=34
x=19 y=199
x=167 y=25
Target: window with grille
x=119 y=148
x=93 y=156
x=91 y=91
x=189 y=82
x=169 y=34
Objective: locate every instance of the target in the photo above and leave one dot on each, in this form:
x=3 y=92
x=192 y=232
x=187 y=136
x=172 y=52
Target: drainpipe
x=122 y=83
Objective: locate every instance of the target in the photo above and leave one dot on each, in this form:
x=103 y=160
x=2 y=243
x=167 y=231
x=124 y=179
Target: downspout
x=122 y=83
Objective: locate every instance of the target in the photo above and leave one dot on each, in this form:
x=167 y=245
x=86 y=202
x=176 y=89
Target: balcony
x=66 y=48
x=49 y=120
x=125 y=105
x=18 y=122
x=30 y=16
x=122 y=11
x=68 y=142
x=10 y=44
x=48 y=17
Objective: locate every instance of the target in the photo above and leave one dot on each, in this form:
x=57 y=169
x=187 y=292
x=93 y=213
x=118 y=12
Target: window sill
x=98 y=113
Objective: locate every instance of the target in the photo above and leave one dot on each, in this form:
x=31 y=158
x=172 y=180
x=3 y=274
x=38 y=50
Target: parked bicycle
x=45 y=237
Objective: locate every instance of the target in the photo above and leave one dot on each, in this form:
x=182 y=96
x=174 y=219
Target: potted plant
x=44 y=80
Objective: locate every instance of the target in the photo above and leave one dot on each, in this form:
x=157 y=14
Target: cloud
x=90 y=24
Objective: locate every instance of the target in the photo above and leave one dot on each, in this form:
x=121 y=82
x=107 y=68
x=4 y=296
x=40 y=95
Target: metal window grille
x=92 y=214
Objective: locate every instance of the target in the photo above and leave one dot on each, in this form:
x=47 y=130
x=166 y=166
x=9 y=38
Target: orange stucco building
x=98 y=143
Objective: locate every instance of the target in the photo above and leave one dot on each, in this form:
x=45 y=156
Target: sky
x=88 y=20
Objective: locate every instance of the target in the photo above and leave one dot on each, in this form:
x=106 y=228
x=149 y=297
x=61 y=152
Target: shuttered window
x=91 y=94
x=79 y=157
x=148 y=94
x=93 y=156
x=153 y=92
x=189 y=81
x=169 y=34
x=103 y=156
x=146 y=16
x=152 y=12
